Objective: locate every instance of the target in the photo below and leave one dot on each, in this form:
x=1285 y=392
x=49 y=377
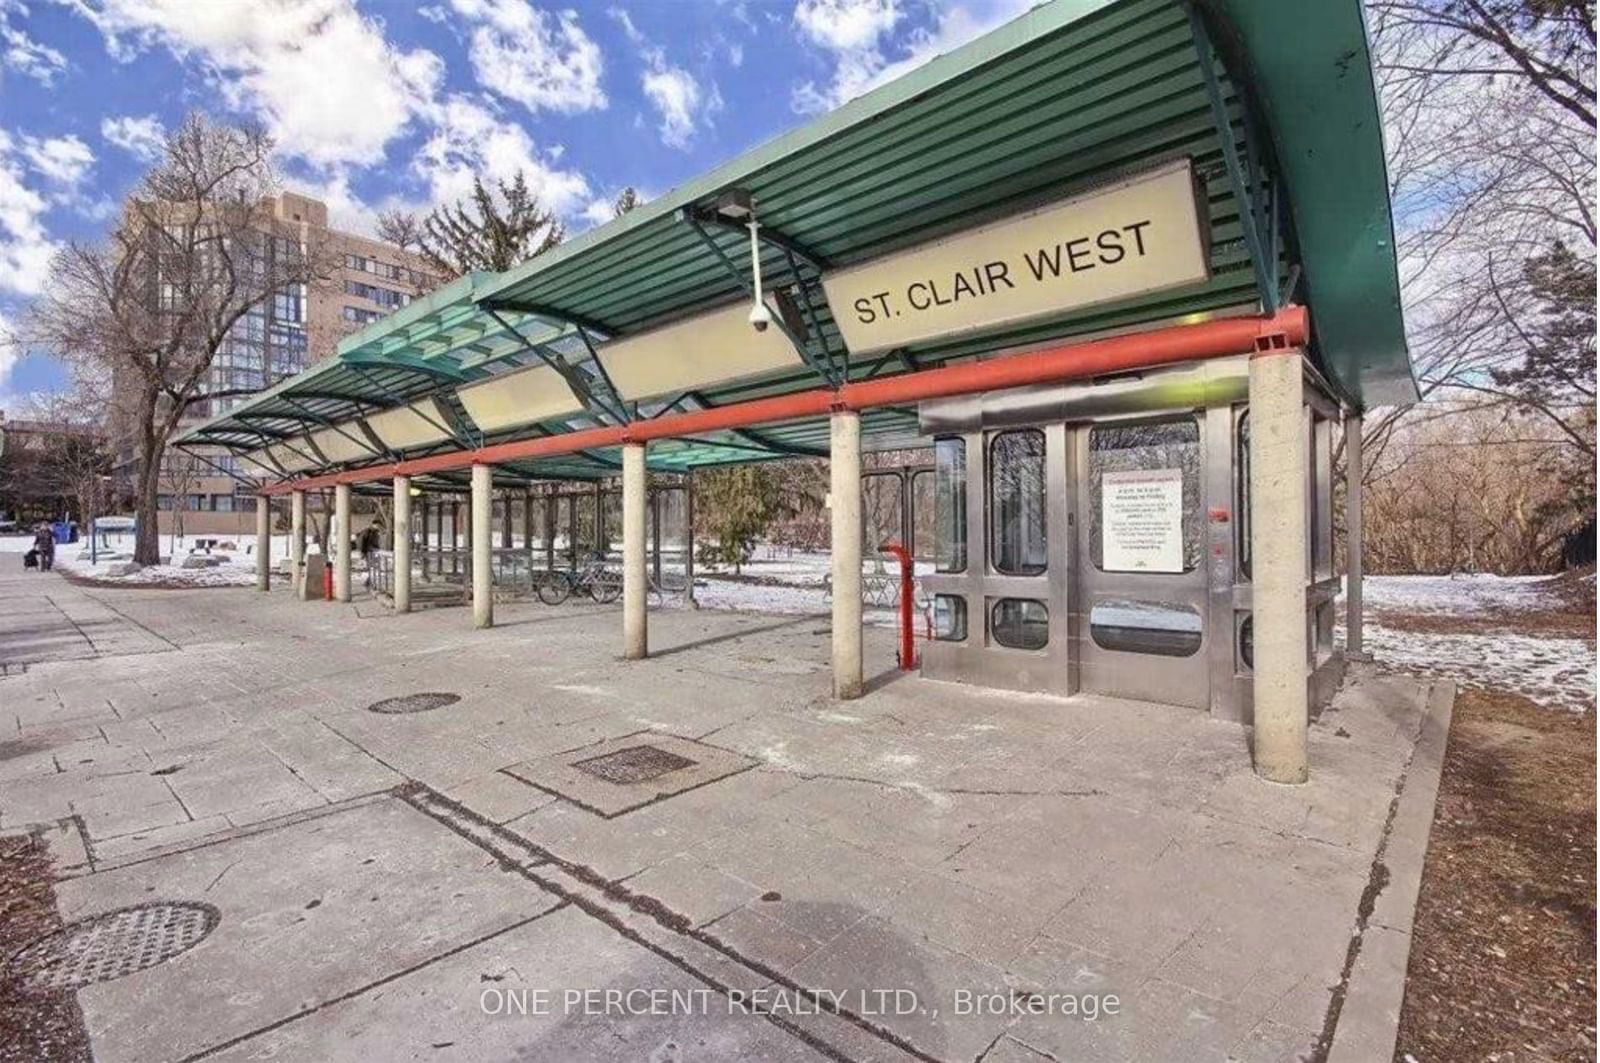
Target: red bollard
x=908 y=644
x=327 y=582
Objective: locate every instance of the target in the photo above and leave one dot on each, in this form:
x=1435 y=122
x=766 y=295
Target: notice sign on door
x=1141 y=521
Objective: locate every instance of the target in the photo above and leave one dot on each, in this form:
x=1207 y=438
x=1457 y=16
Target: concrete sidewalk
x=387 y=884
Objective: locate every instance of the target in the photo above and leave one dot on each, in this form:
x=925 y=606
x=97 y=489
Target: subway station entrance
x=1096 y=538
x=1124 y=268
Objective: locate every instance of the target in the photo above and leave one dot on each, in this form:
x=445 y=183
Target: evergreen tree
x=737 y=504
x=492 y=229
x=627 y=200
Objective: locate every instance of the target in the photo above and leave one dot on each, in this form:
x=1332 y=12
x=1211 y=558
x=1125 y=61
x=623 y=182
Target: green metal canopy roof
x=1063 y=98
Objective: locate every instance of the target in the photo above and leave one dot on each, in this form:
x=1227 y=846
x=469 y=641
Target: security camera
x=760 y=317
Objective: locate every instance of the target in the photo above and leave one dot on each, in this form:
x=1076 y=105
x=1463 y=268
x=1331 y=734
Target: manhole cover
x=633 y=764
x=113 y=944
x=413 y=703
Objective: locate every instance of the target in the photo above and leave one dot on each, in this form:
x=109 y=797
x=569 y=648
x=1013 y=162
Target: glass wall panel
x=1166 y=629
x=949 y=617
x=1017 y=542
x=950 y=469
x=1144 y=490
x=1020 y=623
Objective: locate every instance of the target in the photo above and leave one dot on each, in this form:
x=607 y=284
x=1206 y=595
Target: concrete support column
x=1279 y=548
x=455 y=539
x=844 y=501
x=263 y=543
x=688 y=539
x=341 y=542
x=572 y=531
x=550 y=532
x=297 y=541
x=467 y=518
x=505 y=521
x=481 y=526
x=635 y=629
x=402 y=544
x=1353 y=545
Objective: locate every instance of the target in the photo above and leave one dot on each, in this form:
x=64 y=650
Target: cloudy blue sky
x=382 y=103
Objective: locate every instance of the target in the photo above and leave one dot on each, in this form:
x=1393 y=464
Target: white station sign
x=1139 y=235
x=1141 y=521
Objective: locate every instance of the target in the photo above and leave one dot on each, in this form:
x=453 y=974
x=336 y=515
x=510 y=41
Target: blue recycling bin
x=64 y=531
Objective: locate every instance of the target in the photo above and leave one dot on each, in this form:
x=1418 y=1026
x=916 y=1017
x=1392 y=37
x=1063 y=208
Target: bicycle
x=595 y=580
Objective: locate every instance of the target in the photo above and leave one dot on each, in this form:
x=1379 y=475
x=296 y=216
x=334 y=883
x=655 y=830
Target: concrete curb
x=1370 y=1020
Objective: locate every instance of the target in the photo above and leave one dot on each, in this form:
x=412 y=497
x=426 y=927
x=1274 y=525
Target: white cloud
x=853 y=32
x=25 y=247
x=321 y=76
x=10 y=347
x=63 y=161
x=22 y=53
x=335 y=93
x=540 y=60
x=682 y=103
x=846 y=25
x=598 y=211
x=471 y=138
x=856 y=33
x=142 y=138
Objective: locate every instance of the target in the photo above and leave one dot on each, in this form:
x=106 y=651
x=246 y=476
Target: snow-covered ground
x=1551 y=670
x=237 y=570
x=1459 y=595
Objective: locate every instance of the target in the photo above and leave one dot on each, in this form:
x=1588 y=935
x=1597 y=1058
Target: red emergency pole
x=908 y=644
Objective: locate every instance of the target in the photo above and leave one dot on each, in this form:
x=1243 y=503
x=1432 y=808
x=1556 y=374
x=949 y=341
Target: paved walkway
x=45 y=619
x=388 y=884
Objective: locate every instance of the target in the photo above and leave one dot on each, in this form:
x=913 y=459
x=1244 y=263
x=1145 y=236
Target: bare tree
x=75 y=459
x=196 y=248
x=1490 y=126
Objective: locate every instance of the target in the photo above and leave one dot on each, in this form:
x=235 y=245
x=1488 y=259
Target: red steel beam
x=1287 y=328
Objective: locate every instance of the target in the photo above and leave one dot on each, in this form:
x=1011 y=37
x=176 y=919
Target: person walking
x=367 y=545
x=44 y=541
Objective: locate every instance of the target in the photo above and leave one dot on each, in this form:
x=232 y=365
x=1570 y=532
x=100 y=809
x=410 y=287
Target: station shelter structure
x=1126 y=267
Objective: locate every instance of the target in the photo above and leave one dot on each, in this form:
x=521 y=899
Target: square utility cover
x=622 y=774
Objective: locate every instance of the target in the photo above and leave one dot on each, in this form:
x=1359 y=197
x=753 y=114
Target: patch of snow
x=1556 y=672
x=237 y=567
x=1462 y=595
x=580 y=688
x=1547 y=669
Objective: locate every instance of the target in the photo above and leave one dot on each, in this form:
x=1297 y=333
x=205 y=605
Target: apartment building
x=199 y=494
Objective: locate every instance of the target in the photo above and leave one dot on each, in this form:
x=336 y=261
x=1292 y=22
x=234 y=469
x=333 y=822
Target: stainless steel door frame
x=978 y=658
x=1124 y=671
